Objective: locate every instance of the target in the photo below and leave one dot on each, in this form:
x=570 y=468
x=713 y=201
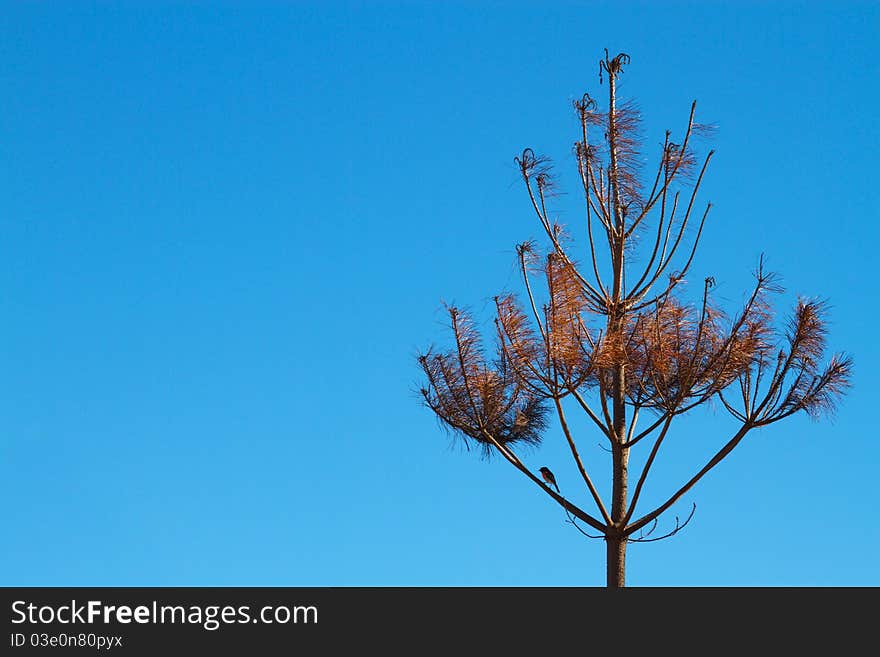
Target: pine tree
x=621 y=344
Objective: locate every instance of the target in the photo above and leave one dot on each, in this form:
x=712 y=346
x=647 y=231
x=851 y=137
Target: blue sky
x=227 y=230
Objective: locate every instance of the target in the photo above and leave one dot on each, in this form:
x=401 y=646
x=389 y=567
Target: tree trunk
x=615 y=562
x=616 y=558
x=616 y=565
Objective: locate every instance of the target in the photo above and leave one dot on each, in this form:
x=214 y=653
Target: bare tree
x=621 y=343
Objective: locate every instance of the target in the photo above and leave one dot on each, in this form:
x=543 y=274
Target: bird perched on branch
x=548 y=477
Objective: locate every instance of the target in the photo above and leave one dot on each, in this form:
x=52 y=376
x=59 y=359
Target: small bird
x=548 y=477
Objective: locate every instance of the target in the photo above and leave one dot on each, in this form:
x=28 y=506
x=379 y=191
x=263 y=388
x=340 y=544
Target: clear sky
x=227 y=230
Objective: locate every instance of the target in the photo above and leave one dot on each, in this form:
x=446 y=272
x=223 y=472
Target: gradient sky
x=227 y=230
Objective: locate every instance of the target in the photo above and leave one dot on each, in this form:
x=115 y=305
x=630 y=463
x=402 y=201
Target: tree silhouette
x=624 y=344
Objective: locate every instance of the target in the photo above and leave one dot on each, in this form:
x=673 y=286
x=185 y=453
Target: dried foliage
x=483 y=402
x=791 y=377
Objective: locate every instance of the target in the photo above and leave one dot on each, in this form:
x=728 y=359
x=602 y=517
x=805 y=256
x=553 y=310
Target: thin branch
x=599 y=192
x=506 y=343
x=663 y=162
x=665 y=238
x=633 y=422
x=715 y=460
x=731 y=409
x=678 y=528
x=580 y=464
x=674 y=280
x=572 y=522
x=645 y=470
x=525 y=273
x=564 y=503
x=687 y=135
x=648 y=431
x=589 y=411
x=637 y=294
x=593 y=257
x=592 y=293
x=464 y=371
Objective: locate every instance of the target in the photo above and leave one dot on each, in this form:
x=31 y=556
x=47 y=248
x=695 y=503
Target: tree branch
x=589 y=411
x=564 y=503
x=715 y=460
x=646 y=469
x=580 y=464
